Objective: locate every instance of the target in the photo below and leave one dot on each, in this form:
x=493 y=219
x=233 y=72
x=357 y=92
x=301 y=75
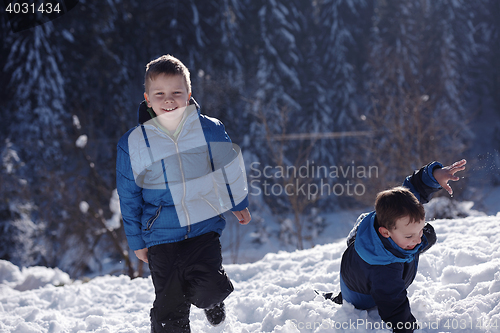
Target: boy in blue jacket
x=177 y=173
x=383 y=248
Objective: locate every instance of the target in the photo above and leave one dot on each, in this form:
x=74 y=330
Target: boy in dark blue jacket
x=177 y=173
x=383 y=248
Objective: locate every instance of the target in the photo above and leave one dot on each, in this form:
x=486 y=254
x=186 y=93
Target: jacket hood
x=378 y=250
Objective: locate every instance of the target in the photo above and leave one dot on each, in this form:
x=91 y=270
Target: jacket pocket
x=152 y=220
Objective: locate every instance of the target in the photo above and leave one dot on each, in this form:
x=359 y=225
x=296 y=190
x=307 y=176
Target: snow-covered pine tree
x=36 y=127
x=494 y=46
x=202 y=35
x=5 y=93
x=275 y=81
x=277 y=77
x=453 y=35
x=340 y=56
x=39 y=96
x=238 y=64
x=486 y=72
x=419 y=52
x=218 y=76
x=180 y=28
x=104 y=68
x=485 y=75
x=284 y=102
x=95 y=89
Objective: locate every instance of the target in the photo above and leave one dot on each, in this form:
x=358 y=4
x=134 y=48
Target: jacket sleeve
x=430 y=235
x=130 y=194
x=422 y=182
x=391 y=298
x=352 y=234
x=226 y=156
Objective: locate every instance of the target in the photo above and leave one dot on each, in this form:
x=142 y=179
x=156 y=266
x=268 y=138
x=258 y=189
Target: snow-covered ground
x=457 y=289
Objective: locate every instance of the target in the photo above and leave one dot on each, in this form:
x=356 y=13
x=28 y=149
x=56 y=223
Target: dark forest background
x=391 y=83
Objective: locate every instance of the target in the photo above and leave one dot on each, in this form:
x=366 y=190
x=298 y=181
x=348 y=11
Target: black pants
x=185 y=273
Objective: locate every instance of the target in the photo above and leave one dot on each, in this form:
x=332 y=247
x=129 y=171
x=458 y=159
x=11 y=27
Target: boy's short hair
x=167 y=65
x=395 y=203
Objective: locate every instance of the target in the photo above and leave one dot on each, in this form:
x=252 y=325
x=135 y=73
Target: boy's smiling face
x=168 y=96
x=405 y=234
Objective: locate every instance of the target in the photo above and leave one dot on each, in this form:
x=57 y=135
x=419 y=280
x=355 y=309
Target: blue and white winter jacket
x=176 y=187
x=375 y=271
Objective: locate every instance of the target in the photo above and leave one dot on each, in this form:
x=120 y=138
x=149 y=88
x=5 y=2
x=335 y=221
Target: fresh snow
x=457 y=289
x=82 y=140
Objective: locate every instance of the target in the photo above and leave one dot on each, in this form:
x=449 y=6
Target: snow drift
x=457 y=289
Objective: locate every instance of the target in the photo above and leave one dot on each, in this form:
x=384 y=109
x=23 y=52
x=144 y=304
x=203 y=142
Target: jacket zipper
x=152 y=220
x=183 y=201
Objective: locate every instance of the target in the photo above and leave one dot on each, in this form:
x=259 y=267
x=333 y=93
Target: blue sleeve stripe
x=147 y=143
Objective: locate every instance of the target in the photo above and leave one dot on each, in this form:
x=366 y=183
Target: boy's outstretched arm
x=447 y=173
x=243 y=216
x=432 y=177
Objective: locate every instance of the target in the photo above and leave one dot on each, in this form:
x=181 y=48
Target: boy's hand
x=447 y=173
x=142 y=254
x=243 y=216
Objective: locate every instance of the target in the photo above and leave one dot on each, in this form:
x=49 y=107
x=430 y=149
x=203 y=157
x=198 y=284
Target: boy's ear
x=189 y=98
x=147 y=99
x=384 y=232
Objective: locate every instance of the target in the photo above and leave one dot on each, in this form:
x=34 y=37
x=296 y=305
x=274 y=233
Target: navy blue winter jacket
x=375 y=271
x=170 y=186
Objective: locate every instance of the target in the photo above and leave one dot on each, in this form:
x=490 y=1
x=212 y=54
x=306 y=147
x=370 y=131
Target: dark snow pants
x=185 y=273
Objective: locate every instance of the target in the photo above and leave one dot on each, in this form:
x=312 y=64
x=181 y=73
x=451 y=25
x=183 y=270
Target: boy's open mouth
x=169 y=109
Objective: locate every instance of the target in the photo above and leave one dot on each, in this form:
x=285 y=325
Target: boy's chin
x=407 y=248
x=165 y=113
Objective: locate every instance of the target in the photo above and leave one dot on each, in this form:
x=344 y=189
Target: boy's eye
x=159 y=93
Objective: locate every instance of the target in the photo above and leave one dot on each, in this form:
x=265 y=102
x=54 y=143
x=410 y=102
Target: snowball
x=76 y=122
x=81 y=142
x=84 y=207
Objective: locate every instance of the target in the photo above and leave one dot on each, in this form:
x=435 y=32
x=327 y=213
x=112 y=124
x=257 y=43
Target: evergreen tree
x=494 y=45
x=36 y=126
x=418 y=56
x=486 y=72
x=39 y=96
x=288 y=103
x=5 y=93
x=218 y=79
x=104 y=86
x=266 y=68
x=344 y=25
x=277 y=77
x=278 y=86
